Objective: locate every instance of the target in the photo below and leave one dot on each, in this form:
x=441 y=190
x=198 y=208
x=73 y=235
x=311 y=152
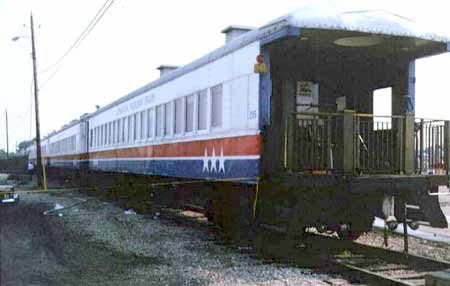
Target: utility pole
x=39 y=166
x=7 y=136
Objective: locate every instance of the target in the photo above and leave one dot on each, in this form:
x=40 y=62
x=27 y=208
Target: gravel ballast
x=417 y=246
x=92 y=242
x=96 y=243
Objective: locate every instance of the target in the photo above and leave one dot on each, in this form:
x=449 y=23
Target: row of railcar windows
x=64 y=145
x=181 y=116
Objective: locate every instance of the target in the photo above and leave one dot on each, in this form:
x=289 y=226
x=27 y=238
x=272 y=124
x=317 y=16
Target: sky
x=134 y=37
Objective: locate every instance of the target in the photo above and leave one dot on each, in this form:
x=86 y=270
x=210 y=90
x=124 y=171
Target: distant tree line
x=22 y=149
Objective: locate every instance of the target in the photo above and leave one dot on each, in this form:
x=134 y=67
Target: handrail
x=427 y=120
x=317 y=113
x=347 y=142
x=342 y=113
x=378 y=116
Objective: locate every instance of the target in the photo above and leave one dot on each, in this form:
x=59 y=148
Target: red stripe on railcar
x=234 y=146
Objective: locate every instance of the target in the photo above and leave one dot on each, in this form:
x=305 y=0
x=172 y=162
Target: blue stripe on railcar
x=194 y=169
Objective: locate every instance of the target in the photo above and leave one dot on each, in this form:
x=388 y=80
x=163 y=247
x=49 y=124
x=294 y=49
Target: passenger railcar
x=279 y=125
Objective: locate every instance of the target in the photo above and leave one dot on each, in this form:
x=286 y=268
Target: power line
x=83 y=36
x=104 y=8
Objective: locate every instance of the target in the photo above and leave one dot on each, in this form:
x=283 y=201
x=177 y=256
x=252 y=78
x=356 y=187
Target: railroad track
x=385 y=267
x=359 y=264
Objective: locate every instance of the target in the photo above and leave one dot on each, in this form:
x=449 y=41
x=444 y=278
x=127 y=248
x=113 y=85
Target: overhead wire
x=75 y=43
x=80 y=39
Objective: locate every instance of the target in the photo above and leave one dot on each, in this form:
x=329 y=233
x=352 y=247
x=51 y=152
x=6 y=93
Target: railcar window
x=105 y=140
x=150 y=123
x=216 y=106
x=113 y=132
x=123 y=130
x=130 y=128
x=95 y=137
x=102 y=132
x=135 y=126
x=189 y=113
x=201 y=109
x=159 y=121
x=105 y=129
x=117 y=131
x=179 y=116
x=106 y=134
x=98 y=136
x=168 y=117
x=91 y=137
x=142 y=120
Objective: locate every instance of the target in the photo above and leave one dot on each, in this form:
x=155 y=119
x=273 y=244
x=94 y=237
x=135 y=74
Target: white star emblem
x=205 y=161
x=221 y=161
x=213 y=161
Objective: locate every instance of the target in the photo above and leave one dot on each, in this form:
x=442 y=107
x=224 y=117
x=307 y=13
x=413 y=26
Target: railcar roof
x=328 y=14
x=355 y=17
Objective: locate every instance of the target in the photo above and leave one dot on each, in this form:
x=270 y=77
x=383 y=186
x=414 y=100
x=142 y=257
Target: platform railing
x=431 y=146
x=379 y=143
x=356 y=143
x=313 y=142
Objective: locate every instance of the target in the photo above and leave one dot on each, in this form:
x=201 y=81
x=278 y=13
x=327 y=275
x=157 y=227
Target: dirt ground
x=38 y=250
x=96 y=243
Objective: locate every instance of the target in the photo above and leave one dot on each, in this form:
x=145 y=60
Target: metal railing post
x=421 y=143
x=408 y=141
x=348 y=140
x=329 y=150
x=447 y=146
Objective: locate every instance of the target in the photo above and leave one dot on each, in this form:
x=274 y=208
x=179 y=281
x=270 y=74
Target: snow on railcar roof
x=359 y=17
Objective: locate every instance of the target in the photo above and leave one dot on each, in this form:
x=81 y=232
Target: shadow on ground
x=37 y=250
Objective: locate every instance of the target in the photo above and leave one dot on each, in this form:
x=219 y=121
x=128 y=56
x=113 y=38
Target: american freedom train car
x=279 y=126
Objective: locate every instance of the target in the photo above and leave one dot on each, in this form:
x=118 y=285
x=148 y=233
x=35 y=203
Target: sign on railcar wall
x=307 y=98
x=135 y=104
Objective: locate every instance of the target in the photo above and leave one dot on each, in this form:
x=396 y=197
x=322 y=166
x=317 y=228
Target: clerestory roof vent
x=164 y=69
x=234 y=31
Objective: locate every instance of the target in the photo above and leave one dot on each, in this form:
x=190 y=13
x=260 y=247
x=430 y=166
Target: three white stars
x=213 y=160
